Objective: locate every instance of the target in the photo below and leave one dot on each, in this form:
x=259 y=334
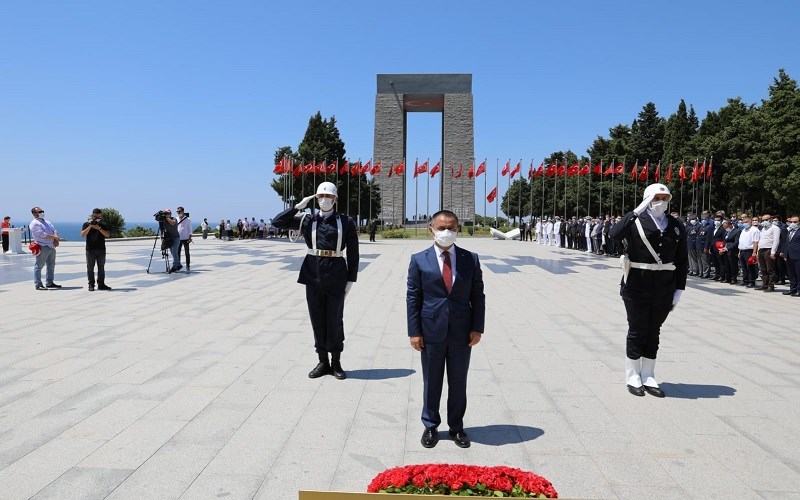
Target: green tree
x=115 y=222
x=781 y=115
x=677 y=134
x=647 y=135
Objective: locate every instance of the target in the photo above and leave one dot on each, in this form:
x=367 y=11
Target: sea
x=71 y=231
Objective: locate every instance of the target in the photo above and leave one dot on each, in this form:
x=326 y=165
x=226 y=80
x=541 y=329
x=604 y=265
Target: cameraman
x=185 y=232
x=173 y=239
x=96 y=231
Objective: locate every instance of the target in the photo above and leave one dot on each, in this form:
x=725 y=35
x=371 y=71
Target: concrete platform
x=194 y=385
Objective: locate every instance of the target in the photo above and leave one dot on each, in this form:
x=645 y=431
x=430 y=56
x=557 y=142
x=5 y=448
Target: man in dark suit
x=446 y=309
x=791 y=252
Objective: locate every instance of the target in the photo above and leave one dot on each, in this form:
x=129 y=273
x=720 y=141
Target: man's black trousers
x=326 y=310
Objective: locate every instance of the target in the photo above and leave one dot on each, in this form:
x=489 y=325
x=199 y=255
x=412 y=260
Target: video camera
x=161 y=216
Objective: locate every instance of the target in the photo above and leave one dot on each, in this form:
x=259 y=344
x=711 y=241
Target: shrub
x=114 y=221
x=139 y=231
x=395 y=233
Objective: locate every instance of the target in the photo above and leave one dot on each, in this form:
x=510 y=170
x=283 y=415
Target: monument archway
x=448 y=94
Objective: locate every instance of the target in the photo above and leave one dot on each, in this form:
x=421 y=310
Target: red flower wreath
x=464 y=480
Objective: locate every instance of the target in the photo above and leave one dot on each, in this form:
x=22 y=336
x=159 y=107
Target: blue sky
x=142 y=105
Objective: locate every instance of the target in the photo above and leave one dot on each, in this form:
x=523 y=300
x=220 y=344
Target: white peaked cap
x=327 y=188
x=654 y=189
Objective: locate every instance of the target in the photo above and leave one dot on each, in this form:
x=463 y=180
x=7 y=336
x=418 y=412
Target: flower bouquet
x=462 y=480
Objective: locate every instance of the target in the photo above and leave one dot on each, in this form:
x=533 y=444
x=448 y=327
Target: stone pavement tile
x=251 y=450
x=167 y=474
x=661 y=436
x=704 y=477
x=184 y=403
x=40 y=467
x=548 y=433
x=782 y=495
x=110 y=420
x=632 y=468
x=563 y=383
x=61 y=369
x=212 y=427
x=644 y=490
x=50 y=357
x=562 y=471
x=83 y=483
x=16 y=389
x=28 y=436
x=299 y=469
x=588 y=414
x=750 y=463
x=133 y=446
x=212 y=486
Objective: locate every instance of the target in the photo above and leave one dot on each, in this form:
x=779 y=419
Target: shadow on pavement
x=502 y=434
x=379 y=373
x=696 y=391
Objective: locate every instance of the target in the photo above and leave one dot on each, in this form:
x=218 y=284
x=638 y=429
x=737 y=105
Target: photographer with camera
x=95 y=231
x=185 y=233
x=170 y=239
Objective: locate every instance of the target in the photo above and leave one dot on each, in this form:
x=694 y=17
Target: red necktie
x=447 y=272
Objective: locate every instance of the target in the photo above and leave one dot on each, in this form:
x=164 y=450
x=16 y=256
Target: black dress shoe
x=788 y=292
x=103 y=287
x=654 y=391
x=337 y=371
x=429 y=438
x=91 y=288
x=320 y=370
x=636 y=391
x=750 y=285
x=461 y=438
x=52 y=285
x=796 y=295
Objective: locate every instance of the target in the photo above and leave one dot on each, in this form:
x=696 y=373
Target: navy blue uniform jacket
x=331 y=273
x=434 y=314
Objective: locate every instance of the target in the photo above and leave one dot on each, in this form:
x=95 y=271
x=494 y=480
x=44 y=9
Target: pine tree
x=781 y=114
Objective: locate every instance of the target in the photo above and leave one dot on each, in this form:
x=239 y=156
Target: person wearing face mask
x=748 y=248
x=44 y=233
x=768 y=244
x=328 y=271
x=790 y=250
x=729 y=253
x=780 y=263
x=692 y=229
x=446 y=311
x=704 y=234
x=652 y=284
x=717 y=243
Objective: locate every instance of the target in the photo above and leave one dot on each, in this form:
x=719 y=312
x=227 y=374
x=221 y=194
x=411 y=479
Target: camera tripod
x=164 y=250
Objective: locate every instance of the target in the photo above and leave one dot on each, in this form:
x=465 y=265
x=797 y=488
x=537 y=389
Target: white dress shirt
x=440 y=258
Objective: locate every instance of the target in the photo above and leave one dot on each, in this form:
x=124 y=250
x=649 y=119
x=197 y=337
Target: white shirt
x=557 y=226
x=769 y=238
x=749 y=236
x=440 y=258
x=185 y=228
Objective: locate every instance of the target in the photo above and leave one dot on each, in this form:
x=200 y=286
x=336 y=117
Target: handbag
x=35 y=248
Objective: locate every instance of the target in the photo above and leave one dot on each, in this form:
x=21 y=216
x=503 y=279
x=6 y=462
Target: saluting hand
x=643 y=205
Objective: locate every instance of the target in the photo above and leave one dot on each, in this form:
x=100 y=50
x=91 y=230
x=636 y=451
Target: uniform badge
x=677 y=232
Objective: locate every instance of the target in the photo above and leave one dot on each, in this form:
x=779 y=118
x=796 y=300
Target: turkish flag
x=708 y=172
x=620 y=168
x=506 y=169
x=669 y=173
x=609 y=170
x=461 y=170
x=530 y=171
x=562 y=170
x=657 y=173
x=345 y=168
x=297 y=171
x=471 y=171
x=695 y=172
x=364 y=170
x=573 y=170
x=682 y=172
x=551 y=170
x=435 y=170
x=376 y=169
x=643 y=173
x=492 y=195
x=598 y=169
x=332 y=168
x=702 y=170
x=481 y=169
x=516 y=169
x=585 y=170
x=539 y=171
x=400 y=169
x=354 y=170
x=633 y=171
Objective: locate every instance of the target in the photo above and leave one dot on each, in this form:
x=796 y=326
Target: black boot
x=322 y=368
x=336 y=366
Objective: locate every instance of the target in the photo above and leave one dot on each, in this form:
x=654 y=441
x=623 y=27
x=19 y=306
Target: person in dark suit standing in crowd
x=446 y=310
x=328 y=271
x=717 y=242
x=691 y=240
x=562 y=231
x=652 y=284
x=791 y=252
x=729 y=253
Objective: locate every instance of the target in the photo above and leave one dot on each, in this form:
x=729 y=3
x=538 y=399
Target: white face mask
x=325 y=204
x=659 y=207
x=445 y=238
x=793 y=225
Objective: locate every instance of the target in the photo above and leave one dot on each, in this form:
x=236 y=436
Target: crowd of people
x=737 y=249
x=245 y=229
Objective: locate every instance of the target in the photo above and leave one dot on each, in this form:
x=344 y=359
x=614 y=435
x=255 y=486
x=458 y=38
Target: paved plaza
x=195 y=385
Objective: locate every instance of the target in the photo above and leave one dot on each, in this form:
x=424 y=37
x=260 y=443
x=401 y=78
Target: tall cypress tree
x=781 y=114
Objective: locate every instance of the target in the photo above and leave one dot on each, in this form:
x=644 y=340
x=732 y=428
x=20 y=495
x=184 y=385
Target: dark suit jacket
x=732 y=240
x=432 y=312
x=792 y=248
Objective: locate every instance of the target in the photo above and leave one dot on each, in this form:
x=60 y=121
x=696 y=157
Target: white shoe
x=633 y=370
x=648 y=372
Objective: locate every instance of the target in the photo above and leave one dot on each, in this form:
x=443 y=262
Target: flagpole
x=541 y=216
x=428 y=192
x=704 y=185
x=624 y=174
x=369 y=186
x=613 y=160
x=485 y=175
x=555 y=189
x=496 y=183
x=600 y=185
x=416 y=196
x=531 y=190
x=508 y=194
x=578 y=190
x=589 y=198
x=710 y=181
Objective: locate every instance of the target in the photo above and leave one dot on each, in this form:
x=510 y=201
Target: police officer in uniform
x=326 y=272
x=653 y=282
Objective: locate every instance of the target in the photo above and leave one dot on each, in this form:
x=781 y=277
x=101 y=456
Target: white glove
x=304 y=202
x=643 y=205
x=347 y=288
x=676 y=297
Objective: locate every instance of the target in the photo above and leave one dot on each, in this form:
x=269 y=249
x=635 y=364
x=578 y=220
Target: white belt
x=327 y=253
x=653 y=267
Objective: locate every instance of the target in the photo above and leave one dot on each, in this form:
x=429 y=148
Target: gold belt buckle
x=326 y=253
